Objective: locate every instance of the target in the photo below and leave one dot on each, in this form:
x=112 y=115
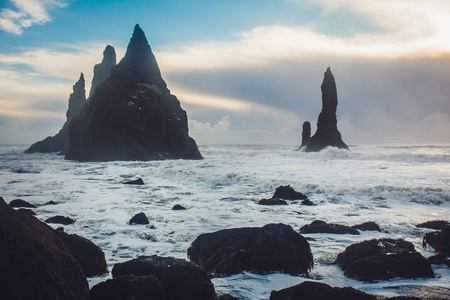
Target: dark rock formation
x=327 y=133
x=181 y=279
x=368 y=226
x=272 y=201
x=288 y=193
x=88 y=254
x=383 y=259
x=310 y=290
x=306 y=134
x=319 y=226
x=263 y=250
x=436 y=224
x=439 y=259
x=21 y=203
x=132 y=115
x=102 y=71
x=439 y=240
x=26 y=211
x=422 y=292
x=140 y=219
x=34 y=262
x=307 y=202
x=60 y=142
x=227 y=297
x=138 y=181
x=60 y=220
x=129 y=287
x=178 y=207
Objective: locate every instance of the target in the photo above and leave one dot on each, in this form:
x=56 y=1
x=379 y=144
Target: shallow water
x=395 y=186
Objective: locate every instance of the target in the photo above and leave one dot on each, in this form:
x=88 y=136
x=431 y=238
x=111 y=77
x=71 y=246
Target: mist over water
x=395 y=186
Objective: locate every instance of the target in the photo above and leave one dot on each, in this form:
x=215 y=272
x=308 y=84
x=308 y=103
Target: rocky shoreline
x=260 y=250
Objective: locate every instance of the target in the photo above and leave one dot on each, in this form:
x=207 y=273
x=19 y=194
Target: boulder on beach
x=88 y=254
x=140 y=219
x=34 y=262
x=288 y=193
x=272 y=201
x=260 y=250
x=60 y=220
x=21 y=203
x=129 y=287
x=178 y=207
x=310 y=290
x=132 y=115
x=368 y=226
x=435 y=224
x=180 y=279
x=383 y=259
x=327 y=133
x=319 y=226
x=439 y=240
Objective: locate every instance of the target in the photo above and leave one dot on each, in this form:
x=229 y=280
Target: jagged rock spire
x=327 y=133
x=102 y=71
x=77 y=99
x=306 y=134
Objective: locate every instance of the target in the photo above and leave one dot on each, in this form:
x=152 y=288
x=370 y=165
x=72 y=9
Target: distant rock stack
x=306 y=134
x=132 y=115
x=327 y=133
x=60 y=142
x=102 y=71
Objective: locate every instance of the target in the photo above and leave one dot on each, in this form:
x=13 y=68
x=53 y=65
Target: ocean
x=395 y=186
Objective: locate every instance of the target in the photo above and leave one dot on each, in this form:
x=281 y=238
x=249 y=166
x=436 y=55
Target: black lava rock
x=307 y=202
x=288 y=193
x=140 y=219
x=319 y=226
x=88 y=254
x=129 y=287
x=138 y=181
x=261 y=250
x=368 y=226
x=439 y=240
x=310 y=290
x=178 y=207
x=436 y=224
x=21 y=203
x=26 y=211
x=383 y=259
x=60 y=220
x=180 y=279
x=327 y=133
x=306 y=134
x=272 y=201
x=34 y=261
x=132 y=115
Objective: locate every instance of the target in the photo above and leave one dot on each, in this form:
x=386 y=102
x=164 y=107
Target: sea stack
x=327 y=133
x=306 y=134
x=132 y=115
x=103 y=69
x=60 y=142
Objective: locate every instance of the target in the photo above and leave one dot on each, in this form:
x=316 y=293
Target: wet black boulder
x=288 y=193
x=368 y=226
x=310 y=290
x=140 y=219
x=60 y=220
x=272 y=201
x=383 y=259
x=34 y=262
x=88 y=254
x=435 y=224
x=180 y=279
x=319 y=226
x=21 y=203
x=129 y=287
x=261 y=250
x=439 y=240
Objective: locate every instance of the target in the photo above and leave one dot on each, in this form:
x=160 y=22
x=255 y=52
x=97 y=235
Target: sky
x=246 y=72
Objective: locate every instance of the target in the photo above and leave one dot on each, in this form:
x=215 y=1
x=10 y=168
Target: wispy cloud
x=27 y=13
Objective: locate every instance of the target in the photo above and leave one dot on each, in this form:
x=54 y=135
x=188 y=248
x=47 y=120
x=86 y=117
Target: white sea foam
x=397 y=187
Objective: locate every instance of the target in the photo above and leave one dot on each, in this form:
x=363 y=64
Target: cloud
x=27 y=13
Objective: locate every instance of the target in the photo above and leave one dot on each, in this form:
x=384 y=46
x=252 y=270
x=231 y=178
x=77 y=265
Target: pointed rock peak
x=109 y=54
x=329 y=93
x=138 y=43
x=80 y=83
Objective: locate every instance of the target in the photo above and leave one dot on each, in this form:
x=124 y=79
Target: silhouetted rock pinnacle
x=132 y=115
x=103 y=69
x=60 y=142
x=327 y=133
x=306 y=134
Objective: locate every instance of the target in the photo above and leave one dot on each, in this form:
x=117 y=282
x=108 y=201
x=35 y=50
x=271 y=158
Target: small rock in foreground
x=288 y=193
x=138 y=181
x=439 y=240
x=436 y=224
x=319 y=226
x=368 y=226
x=310 y=290
x=178 y=207
x=21 y=203
x=140 y=219
x=272 y=201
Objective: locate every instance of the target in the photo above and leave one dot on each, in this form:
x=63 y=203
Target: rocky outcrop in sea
x=327 y=133
x=102 y=71
x=60 y=141
x=132 y=115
